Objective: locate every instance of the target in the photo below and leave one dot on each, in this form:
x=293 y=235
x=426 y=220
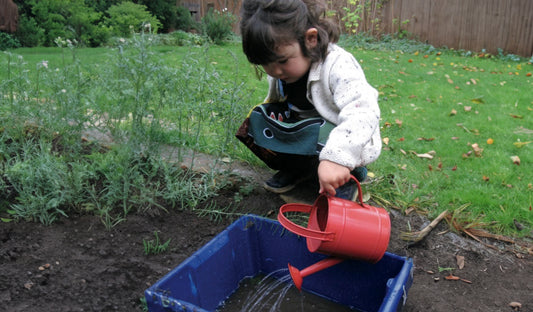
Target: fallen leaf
x=409 y=210
x=477 y=150
x=452 y=277
x=485 y=178
x=490 y=141
x=519 y=226
x=516 y=160
x=425 y=155
x=467 y=154
x=515 y=305
x=454 y=168
x=478 y=100
x=516 y=116
x=453 y=112
x=399 y=123
x=403 y=152
x=460 y=261
x=468 y=108
x=428 y=155
x=425 y=139
x=520 y=144
x=386 y=141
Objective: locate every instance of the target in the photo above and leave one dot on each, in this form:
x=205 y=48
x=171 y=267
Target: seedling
x=154 y=246
x=441 y=269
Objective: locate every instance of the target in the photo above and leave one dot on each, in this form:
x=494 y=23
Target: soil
x=78 y=265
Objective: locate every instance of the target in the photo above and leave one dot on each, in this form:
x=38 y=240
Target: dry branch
x=419 y=235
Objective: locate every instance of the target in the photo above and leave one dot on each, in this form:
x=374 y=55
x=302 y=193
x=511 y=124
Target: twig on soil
x=476 y=233
x=419 y=235
x=483 y=233
x=467 y=232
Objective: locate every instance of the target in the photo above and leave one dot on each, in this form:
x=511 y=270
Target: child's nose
x=273 y=70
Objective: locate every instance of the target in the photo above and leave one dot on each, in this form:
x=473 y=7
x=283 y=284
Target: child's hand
x=331 y=176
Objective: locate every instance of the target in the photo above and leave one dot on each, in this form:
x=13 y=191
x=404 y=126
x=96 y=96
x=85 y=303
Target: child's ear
x=311 y=38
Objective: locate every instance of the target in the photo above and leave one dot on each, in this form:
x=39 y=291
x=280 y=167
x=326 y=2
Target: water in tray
x=268 y=294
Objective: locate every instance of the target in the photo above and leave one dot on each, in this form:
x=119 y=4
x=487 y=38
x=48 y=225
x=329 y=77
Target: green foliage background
x=96 y=23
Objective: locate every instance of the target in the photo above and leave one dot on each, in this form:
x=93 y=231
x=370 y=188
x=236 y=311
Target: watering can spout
x=297 y=275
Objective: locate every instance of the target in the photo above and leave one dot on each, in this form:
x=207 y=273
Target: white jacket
x=340 y=93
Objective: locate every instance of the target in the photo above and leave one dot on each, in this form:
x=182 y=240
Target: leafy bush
x=70 y=19
x=184 y=38
x=127 y=17
x=164 y=11
x=29 y=33
x=184 y=20
x=50 y=16
x=218 y=25
x=7 y=41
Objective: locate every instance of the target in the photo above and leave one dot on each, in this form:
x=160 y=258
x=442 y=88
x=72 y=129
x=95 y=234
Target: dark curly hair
x=267 y=24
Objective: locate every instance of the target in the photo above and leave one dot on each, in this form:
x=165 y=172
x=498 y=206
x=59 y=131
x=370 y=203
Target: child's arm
x=343 y=96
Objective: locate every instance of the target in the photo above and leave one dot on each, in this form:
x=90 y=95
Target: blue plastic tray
x=254 y=245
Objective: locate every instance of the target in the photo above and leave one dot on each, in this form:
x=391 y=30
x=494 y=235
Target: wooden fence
x=473 y=25
x=460 y=24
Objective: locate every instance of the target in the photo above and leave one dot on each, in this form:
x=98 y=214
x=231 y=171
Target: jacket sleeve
x=353 y=105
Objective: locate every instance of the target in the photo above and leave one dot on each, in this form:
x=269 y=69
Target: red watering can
x=339 y=228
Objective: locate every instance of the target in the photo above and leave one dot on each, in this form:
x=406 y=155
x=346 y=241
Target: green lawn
x=441 y=106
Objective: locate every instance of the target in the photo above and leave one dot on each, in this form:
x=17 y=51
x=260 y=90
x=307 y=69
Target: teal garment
x=272 y=127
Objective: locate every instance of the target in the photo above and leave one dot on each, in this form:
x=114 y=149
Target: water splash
x=276 y=292
x=267 y=291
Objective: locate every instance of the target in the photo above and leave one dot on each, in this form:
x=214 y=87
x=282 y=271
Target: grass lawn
x=456 y=129
x=456 y=132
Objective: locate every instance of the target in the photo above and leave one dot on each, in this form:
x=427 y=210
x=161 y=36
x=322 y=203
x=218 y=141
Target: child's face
x=292 y=65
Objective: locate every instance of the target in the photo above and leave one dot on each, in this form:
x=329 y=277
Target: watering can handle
x=360 y=194
x=300 y=230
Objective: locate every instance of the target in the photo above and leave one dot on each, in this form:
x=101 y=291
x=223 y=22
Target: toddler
x=295 y=45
